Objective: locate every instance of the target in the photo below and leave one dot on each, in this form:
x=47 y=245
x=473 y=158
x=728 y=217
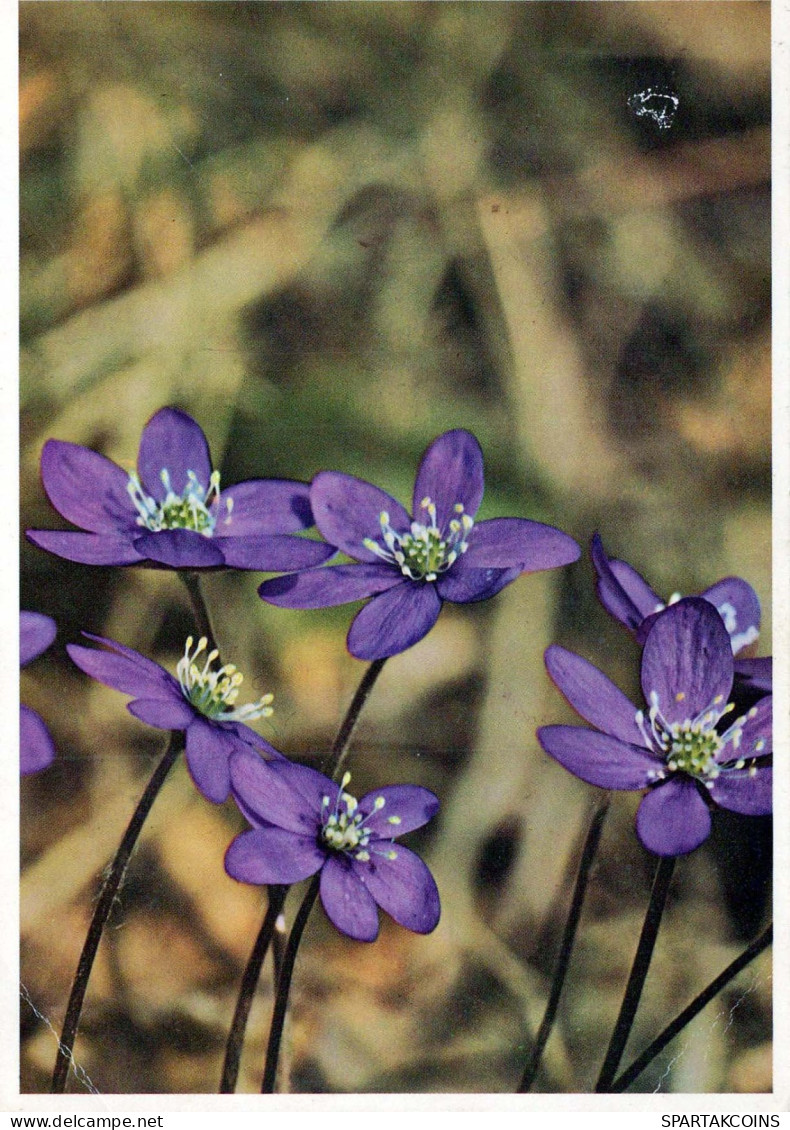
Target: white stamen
x=214 y=692
x=197 y=508
x=425 y=551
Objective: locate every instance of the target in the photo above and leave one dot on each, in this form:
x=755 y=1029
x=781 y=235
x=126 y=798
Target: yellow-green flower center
x=692 y=749
x=213 y=692
x=195 y=509
x=425 y=550
x=344 y=826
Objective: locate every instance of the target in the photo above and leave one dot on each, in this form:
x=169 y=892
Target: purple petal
x=207 y=752
x=743 y=792
x=451 y=472
x=85 y=487
x=36 y=748
x=272 y=553
x=687 y=660
x=289 y=796
x=164 y=714
x=172 y=441
x=673 y=818
x=462 y=585
x=246 y=750
x=404 y=887
x=611 y=592
x=394 y=621
x=125 y=670
x=599 y=759
x=248 y=738
x=637 y=588
x=507 y=542
x=272 y=855
x=755 y=673
x=336 y=584
x=346 y=511
x=265 y=506
x=347 y=902
x=739 y=608
x=643 y=629
x=87 y=549
x=180 y=549
x=593 y=696
x=36 y=633
x=409 y=805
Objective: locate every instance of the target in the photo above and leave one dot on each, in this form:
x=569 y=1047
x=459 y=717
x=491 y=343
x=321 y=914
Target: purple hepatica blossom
x=170 y=512
x=201 y=701
x=410 y=566
x=677 y=749
x=36 y=749
x=304 y=823
x=627 y=596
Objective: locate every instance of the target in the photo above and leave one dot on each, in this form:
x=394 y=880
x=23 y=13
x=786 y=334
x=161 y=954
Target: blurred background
x=330 y=231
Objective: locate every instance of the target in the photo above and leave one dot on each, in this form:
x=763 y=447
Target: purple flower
x=36 y=749
x=201 y=701
x=410 y=566
x=170 y=511
x=304 y=823
x=678 y=749
x=627 y=596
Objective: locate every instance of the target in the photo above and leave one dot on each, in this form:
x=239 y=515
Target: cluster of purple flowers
x=172 y=513
x=691 y=746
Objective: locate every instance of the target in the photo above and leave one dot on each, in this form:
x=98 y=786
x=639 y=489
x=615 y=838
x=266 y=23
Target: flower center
x=692 y=749
x=691 y=746
x=196 y=509
x=343 y=827
x=424 y=551
x=214 y=692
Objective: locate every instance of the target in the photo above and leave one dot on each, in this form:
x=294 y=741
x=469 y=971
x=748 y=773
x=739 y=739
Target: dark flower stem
x=199 y=609
x=103 y=909
x=268 y=932
x=566 y=947
x=687 y=1015
x=636 y=979
x=284 y=985
x=340 y=747
x=249 y=982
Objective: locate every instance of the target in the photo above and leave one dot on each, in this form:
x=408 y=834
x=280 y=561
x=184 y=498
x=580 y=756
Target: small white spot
x=659 y=105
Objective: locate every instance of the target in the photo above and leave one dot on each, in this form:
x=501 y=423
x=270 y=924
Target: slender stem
x=103 y=909
x=566 y=947
x=636 y=980
x=339 y=752
x=279 y=942
x=199 y=609
x=687 y=1015
x=284 y=985
x=340 y=747
x=269 y=934
x=249 y=983
x=230 y=1069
